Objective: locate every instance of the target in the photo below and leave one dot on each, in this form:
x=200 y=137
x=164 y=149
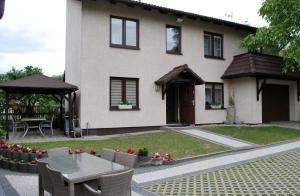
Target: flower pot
x=144 y=159
x=156 y=162
x=169 y=162
x=32 y=156
x=125 y=107
x=23 y=167
x=15 y=155
x=32 y=168
x=25 y=156
x=230 y=115
x=13 y=166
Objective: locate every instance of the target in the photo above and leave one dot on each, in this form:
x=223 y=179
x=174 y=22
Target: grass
x=178 y=145
x=257 y=135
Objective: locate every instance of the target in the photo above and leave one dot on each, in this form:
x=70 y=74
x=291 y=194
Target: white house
x=171 y=66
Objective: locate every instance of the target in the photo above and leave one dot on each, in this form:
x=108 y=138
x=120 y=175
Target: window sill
x=175 y=53
x=121 y=110
x=214 y=57
x=124 y=47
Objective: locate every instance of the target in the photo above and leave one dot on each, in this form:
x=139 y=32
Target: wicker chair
x=126 y=159
x=111 y=185
x=57 y=152
x=46 y=181
x=60 y=188
x=108 y=154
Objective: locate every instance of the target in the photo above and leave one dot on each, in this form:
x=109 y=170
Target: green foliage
x=282 y=37
x=2 y=133
x=143 y=152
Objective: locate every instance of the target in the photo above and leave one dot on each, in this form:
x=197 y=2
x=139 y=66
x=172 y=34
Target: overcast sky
x=32 y=32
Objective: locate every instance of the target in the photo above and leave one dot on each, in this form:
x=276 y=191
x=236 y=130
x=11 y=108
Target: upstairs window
x=124 y=33
x=173 y=39
x=123 y=90
x=213 y=45
x=214 y=93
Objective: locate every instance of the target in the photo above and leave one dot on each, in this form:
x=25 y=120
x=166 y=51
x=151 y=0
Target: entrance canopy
x=180 y=74
x=262 y=67
x=40 y=84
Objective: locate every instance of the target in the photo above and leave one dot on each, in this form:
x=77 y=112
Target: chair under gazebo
x=61 y=91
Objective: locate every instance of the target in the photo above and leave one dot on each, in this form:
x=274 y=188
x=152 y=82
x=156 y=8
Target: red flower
x=34 y=149
x=39 y=153
x=79 y=150
x=70 y=151
x=167 y=158
x=93 y=151
x=131 y=151
x=156 y=155
x=20 y=151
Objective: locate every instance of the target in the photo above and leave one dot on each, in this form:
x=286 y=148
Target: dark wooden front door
x=172 y=104
x=275 y=103
x=187 y=103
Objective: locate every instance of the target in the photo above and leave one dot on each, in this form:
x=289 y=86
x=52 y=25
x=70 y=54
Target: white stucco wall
x=249 y=110
x=98 y=62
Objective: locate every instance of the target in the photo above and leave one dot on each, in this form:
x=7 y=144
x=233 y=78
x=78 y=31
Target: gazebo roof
x=38 y=84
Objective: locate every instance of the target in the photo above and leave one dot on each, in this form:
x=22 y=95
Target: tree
x=282 y=36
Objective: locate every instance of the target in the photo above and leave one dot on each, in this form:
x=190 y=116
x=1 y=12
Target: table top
x=82 y=167
x=32 y=119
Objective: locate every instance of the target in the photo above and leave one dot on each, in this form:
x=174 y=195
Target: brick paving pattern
x=278 y=175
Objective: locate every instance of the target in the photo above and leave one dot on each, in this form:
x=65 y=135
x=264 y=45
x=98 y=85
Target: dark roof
x=179 y=13
x=184 y=72
x=2 y=6
x=38 y=84
x=258 y=65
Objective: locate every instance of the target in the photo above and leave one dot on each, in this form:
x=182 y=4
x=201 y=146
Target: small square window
x=213 y=45
x=214 y=93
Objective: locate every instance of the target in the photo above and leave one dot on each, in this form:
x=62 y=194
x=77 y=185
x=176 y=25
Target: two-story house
x=171 y=66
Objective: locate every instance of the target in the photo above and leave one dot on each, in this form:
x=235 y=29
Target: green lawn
x=257 y=135
x=178 y=145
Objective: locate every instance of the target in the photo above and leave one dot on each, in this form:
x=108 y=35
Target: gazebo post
x=6 y=114
x=61 y=108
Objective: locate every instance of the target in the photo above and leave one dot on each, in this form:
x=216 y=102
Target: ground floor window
x=214 y=95
x=124 y=91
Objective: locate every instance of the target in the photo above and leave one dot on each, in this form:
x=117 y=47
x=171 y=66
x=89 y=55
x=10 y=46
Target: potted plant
x=79 y=151
x=23 y=166
x=32 y=166
x=25 y=154
x=70 y=151
x=33 y=154
x=230 y=111
x=143 y=155
x=125 y=105
x=168 y=160
x=93 y=151
x=156 y=159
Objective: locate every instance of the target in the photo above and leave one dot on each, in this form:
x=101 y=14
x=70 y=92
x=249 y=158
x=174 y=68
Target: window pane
x=131 y=92
x=173 y=39
x=218 y=46
x=218 y=94
x=116 y=31
x=116 y=92
x=207 y=45
x=208 y=94
x=131 y=33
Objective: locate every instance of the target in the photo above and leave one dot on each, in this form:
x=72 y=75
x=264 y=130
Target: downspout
x=2 y=6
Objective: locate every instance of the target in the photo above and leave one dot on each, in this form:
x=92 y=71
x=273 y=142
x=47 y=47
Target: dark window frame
x=213 y=94
x=180 y=40
x=123 y=79
x=212 y=45
x=123 y=45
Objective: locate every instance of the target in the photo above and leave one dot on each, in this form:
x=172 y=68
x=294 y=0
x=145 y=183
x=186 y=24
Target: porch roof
x=180 y=73
x=38 y=84
x=258 y=65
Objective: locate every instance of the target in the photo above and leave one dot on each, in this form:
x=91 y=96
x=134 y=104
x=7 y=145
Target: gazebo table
x=79 y=168
x=33 y=123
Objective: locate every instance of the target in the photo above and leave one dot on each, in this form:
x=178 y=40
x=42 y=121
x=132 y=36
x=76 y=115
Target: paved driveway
x=277 y=175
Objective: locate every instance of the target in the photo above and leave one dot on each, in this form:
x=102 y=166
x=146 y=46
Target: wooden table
x=31 y=123
x=79 y=168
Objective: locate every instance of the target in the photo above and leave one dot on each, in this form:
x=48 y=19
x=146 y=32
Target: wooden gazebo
x=40 y=84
